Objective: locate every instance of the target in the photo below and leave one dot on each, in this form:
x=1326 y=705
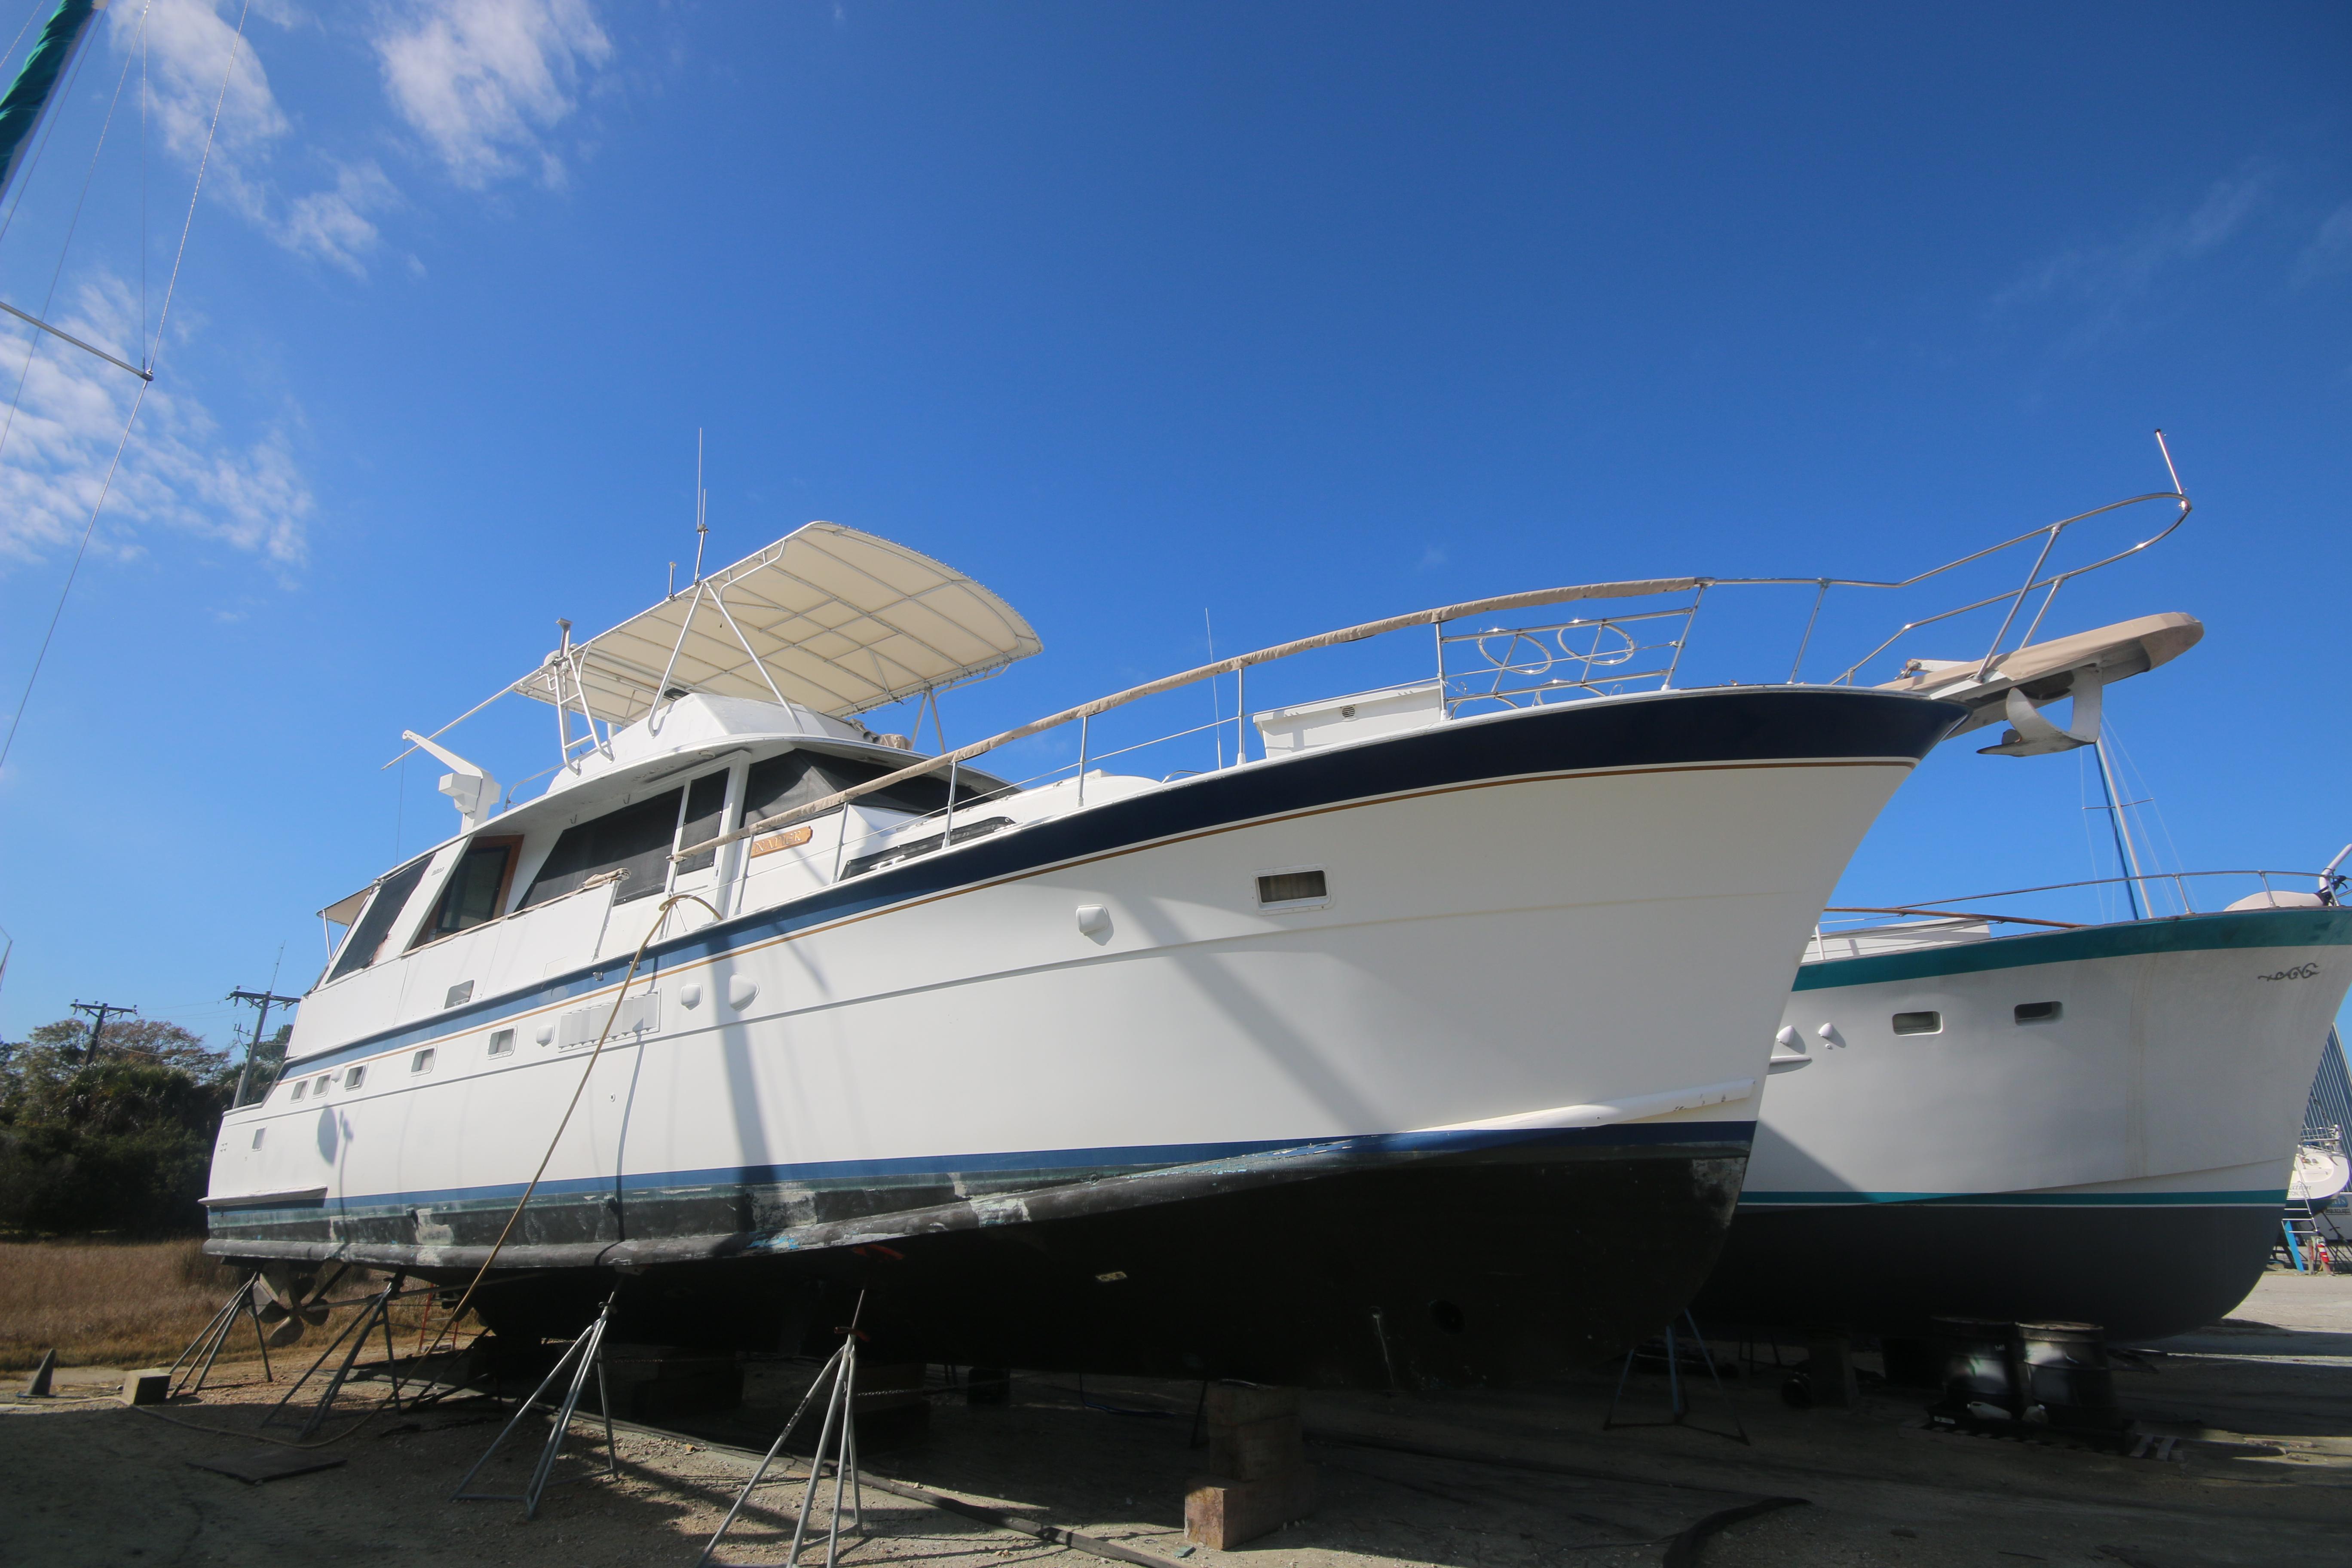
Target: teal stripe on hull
x=2258 y=1198
x=2250 y=929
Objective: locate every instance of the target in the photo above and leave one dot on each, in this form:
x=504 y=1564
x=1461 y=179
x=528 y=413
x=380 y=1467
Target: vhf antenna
x=701 y=508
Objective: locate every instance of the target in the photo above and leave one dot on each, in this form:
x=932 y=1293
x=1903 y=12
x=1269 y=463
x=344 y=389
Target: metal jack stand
x=587 y=1353
x=839 y=1416
x=197 y=1359
x=1678 y=1401
x=379 y=1311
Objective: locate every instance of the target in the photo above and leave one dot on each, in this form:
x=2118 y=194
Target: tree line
x=119 y=1138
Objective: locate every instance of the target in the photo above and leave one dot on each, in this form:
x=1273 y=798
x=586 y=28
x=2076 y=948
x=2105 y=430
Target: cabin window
x=502 y=1042
x=782 y=783
x=422 y=1062
x=1308 y=886
x=706 y=810
x=391 y=896
x=318 y=1084
x=1918 y=1023
x=298 y=1088
x=354 y=1076
x=2037 y=1011
x=635 y=839
x=256 y=1136
x=477 y=890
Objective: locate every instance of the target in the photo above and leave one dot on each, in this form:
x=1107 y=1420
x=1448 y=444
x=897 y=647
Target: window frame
x=428 y=931
x=1288 y=906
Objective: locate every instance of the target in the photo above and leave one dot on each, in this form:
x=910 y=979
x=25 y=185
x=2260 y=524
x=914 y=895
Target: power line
x=98 y=1012
x=261 y=1001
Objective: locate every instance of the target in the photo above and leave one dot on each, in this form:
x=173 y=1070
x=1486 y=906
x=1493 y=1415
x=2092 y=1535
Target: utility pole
x=261 y=1001
x=98 y=1012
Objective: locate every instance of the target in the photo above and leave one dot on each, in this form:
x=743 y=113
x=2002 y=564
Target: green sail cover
x=20 y=110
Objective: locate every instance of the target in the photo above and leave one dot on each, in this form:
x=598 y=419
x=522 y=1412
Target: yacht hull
x=2124 y=1163
x=1475 y=1112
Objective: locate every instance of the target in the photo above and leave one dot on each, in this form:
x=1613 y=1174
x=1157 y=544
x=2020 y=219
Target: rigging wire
x=30 y=16
x=148 y=358
x=65 y=248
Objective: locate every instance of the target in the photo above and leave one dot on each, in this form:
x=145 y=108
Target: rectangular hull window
x=2037 y=1011
x=1292 y=888
x=502 y=1042
x=355 y=1078
x=422 y=1062
x=1918 y=1023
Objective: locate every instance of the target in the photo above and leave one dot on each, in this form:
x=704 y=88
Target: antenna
x=701 y=508
x=2165 y=447
x=1217 y=721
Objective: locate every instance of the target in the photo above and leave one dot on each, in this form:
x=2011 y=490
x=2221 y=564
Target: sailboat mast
x=29 y=98
x=2125 y=854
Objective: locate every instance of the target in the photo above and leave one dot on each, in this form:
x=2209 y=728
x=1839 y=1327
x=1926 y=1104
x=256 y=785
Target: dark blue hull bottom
x=2142 y=1272
x=1483 y=1267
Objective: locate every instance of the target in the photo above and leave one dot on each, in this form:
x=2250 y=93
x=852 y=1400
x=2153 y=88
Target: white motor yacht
x=1422 y=1046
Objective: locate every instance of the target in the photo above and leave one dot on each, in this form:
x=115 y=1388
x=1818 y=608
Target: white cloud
x=190 y=43
x=482 y=80
x=334 y=224
x=2109 y=279
x=2330 y=250
x=177 y=473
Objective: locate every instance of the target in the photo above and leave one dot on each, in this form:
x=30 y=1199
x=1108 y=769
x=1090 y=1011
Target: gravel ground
x=2263 y=1404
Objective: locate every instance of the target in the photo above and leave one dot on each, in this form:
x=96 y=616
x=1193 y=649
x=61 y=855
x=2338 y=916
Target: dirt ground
x=2263 y=1404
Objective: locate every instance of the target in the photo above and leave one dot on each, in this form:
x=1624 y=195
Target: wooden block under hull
x=1221 y=1512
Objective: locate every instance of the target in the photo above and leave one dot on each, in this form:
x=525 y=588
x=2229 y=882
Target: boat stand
x=1678 y=1401
x=586 y=1354
x=838 y=1439
x=196 y=1363
x=378 y=1313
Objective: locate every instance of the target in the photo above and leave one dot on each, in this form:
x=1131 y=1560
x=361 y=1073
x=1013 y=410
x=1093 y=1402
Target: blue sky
x=1301 y=314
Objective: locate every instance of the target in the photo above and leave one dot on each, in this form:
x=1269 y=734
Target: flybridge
x=826 y=619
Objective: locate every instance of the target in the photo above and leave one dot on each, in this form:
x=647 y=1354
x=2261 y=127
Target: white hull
x=2124 y=1162
x=1515 y=958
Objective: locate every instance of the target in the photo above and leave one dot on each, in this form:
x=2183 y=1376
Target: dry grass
x=133 y=1304
x=105 y=1303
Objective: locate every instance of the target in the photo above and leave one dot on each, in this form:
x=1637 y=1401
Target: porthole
x=318 y=1084
x=422 y=1062
x=354 y=1076
x=502 y=1042
x=1918 y=1023
x=256 y=1136
x=301 y=1085
x=2037 y=1011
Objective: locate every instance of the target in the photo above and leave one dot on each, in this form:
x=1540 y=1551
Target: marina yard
x=2260 y=1471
